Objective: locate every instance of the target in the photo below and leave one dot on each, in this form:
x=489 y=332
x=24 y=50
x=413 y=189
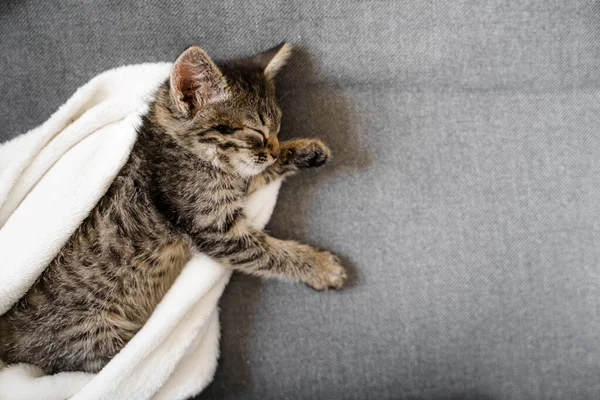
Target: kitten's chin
x=248 y=169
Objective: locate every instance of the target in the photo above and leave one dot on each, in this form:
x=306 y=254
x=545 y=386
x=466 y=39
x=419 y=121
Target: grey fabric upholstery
x=464 y=194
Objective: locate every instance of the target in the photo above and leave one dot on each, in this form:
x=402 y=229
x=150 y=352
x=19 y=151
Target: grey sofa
x=464 y=196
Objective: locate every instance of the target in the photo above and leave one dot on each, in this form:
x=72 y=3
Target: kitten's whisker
x=285 y=94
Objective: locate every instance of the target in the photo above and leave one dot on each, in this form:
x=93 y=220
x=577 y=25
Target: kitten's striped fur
x=209 y=139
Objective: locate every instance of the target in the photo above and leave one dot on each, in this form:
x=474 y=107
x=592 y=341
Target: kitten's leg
x=254 y=252
x=296 y=154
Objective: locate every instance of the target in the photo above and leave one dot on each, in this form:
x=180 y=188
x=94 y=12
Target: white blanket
x=50 y=179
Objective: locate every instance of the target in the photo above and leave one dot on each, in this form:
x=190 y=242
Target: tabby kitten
x=208 y=140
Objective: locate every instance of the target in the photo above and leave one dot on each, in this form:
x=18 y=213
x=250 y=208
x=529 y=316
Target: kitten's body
x=182 y=189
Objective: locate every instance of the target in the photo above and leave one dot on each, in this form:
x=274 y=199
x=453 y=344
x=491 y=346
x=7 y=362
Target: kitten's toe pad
x=329 y=273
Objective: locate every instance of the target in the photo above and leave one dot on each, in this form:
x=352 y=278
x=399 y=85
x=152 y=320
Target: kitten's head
x=226 y=113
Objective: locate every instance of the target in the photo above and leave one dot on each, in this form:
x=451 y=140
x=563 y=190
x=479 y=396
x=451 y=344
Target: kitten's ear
x=272 y=60
x=195 y=81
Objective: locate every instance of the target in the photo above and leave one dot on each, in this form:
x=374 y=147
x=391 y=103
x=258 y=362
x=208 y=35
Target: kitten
x=208 y=140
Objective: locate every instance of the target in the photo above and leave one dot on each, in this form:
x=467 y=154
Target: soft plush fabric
x=464 y=193
x=50 y=179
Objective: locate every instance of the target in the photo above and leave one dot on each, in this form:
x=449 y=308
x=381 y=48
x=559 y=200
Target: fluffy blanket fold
x=50 y=179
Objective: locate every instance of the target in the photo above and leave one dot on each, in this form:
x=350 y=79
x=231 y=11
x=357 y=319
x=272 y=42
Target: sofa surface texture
x=464 y=193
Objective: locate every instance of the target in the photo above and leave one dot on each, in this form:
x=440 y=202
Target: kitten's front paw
x=328 y=274
x=305 y=153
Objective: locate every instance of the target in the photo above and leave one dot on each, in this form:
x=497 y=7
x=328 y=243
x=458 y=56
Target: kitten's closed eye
x=224 y=129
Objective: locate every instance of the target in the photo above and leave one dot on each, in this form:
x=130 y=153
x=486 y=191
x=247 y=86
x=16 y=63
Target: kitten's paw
x=305 y=153
x=328 y=274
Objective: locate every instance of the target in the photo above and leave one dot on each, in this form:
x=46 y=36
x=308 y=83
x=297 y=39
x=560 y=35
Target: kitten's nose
x=274 y=148
x=275 y=152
